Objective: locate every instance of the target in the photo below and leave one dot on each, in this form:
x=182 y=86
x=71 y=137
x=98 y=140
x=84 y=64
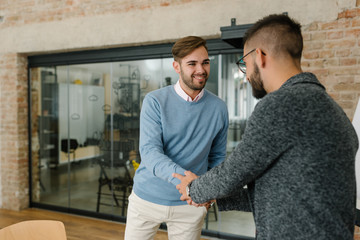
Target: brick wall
x=357 y=233
x=332 y=52
x=14 y=131
x=33 y=11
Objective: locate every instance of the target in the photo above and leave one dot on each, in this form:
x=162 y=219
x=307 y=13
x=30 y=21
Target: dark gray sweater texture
x=294 y=167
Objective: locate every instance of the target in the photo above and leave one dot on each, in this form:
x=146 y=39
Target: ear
x=260 y=58
x=176 y=66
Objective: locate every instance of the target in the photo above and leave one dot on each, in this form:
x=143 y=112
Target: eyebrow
x=194 y=61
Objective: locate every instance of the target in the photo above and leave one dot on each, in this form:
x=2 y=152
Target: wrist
x=188 y=189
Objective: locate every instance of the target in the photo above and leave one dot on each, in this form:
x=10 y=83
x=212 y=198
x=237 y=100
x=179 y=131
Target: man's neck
x=278 y=77
x=191 y=93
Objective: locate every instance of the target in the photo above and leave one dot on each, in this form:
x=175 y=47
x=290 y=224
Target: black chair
x=213 y=210
x=69 y=146
x=115 y=173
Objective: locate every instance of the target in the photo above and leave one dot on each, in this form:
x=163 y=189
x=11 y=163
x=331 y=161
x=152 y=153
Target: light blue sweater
x=175 y=136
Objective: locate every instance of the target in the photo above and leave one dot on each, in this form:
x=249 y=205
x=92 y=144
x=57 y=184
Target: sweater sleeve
x=151 y=143
x=218 y=149
x=264 y=140
x=238 y=201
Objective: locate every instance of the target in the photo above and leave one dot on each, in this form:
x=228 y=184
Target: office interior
x=87 y=68
x=85 y=130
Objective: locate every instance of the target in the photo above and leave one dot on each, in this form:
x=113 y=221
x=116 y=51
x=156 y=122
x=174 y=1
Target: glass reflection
x=85 y=131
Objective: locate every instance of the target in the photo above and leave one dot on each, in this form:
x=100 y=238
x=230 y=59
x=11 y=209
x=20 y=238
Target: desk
x=80 y=153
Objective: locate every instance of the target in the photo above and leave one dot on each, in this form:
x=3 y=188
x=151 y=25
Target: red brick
x=345 y=79
x=311 y=55
x=335 y=25
x=346 y=87
x=312 y=27
x=326 y=54
x=320 y=72
x=355 y=23
x=306 y=36
x=348 y=96
x=331 y=62
x=318 y=36
x=313 y=45
x=346 y=104
x=350 y=13
x=340 y=44
x=319 y=63
x=342 y=53
x=335 y=35
x=348 y=61
x=340 y=71
x=352 y=33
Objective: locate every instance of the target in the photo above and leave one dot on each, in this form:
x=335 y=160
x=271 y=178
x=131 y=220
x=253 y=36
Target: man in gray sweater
x=297 y=155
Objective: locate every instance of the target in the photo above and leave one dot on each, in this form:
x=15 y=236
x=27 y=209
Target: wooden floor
x=77 y=227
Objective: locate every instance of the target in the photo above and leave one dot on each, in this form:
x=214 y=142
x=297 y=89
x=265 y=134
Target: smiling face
x=193 y=70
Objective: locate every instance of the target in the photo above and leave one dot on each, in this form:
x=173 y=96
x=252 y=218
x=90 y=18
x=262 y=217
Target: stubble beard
x=257 y=84
x=189 y=82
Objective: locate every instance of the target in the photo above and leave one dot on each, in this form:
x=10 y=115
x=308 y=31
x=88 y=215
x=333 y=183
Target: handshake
x=182 y=187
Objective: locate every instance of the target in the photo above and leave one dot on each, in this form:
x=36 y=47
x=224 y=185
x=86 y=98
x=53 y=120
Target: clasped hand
x=185 y=181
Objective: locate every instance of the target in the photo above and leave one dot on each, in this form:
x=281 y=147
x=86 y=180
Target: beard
x=257 y=84
x=189 y=81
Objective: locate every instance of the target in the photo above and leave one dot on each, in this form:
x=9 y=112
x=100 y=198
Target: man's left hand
x=185 y=180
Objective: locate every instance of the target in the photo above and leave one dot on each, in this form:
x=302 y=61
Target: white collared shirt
x=183 y=94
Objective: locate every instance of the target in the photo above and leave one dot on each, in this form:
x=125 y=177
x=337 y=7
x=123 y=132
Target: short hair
x=278 y=32
x=186 y=45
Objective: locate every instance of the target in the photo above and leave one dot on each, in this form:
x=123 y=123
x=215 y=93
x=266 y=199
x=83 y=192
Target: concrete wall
x=45 y=25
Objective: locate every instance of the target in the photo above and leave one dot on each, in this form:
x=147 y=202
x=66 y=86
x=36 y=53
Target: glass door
x=85 y=132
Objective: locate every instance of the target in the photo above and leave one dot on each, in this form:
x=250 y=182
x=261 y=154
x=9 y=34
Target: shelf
x=48 y=131
x=48 y=118
x=49 y=147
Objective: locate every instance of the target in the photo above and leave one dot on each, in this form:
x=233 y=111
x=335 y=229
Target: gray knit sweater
x=297 y=158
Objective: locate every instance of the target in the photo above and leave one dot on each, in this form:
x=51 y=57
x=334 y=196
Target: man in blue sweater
x=182 y=127
x=297 y=154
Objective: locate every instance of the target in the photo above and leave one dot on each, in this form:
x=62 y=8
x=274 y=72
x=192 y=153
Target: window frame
x=215 y=47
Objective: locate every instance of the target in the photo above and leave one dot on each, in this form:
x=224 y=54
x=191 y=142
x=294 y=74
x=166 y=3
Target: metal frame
x=215 y=46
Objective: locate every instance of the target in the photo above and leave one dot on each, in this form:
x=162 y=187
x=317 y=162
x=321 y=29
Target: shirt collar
x=183 y=94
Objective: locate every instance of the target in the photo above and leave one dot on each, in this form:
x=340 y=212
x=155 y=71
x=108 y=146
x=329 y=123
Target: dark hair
x=279 y=32
x=186 y=45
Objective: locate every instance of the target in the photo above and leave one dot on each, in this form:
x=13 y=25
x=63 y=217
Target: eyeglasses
x=241 y=64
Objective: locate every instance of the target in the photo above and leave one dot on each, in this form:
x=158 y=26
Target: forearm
x=238 y=201
x=210 y=186
x=161 y=166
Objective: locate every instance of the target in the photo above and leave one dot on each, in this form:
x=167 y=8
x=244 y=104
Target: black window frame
x=215 y=46
x=143 y=52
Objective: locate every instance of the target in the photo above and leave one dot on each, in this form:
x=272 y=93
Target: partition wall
x=84 y=119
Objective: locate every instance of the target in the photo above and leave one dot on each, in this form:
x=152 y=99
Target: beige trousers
x=144 y=218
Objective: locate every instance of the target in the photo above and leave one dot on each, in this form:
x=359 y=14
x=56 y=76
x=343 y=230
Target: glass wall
x=85 y=131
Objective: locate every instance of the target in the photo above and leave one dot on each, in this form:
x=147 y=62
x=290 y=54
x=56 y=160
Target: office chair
x=69 y=146
x=213 y=210
x=34 y=230
x=115 y=173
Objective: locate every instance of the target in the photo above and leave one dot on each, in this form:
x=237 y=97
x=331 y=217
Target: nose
x=200 y=68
